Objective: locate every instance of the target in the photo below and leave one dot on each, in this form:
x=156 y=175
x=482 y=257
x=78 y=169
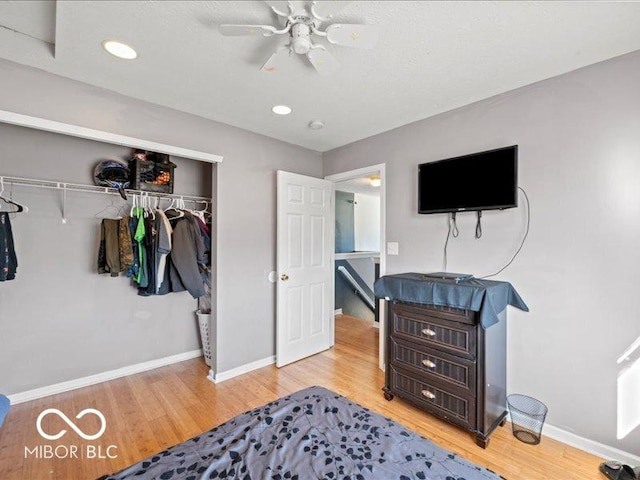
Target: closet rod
x=77 y=187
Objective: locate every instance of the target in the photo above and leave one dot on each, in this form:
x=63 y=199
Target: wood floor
x=150 y=411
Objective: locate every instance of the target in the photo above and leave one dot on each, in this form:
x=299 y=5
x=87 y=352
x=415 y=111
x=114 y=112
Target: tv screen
x=480 y=181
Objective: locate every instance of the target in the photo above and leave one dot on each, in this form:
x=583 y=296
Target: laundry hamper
x=204 y=320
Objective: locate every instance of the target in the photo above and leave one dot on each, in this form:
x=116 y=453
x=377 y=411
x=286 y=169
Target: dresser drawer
x=419 y=326
x=434 y=364
x=434 y=397
x=446 y=313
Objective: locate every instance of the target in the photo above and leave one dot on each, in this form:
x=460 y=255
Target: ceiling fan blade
x=324 y=10
x=323 y=61
x=246 y=30
x=276 y=59
x=358 y=36
x=280 y=7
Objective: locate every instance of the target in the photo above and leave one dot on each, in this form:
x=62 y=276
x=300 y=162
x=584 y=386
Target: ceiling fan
x=302 y=21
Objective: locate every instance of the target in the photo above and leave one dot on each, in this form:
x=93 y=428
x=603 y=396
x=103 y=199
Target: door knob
x=284 y=277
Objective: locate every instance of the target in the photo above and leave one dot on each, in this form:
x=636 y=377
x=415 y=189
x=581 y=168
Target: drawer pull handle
x=428 y=364
x=428 y=332
x=428 y=394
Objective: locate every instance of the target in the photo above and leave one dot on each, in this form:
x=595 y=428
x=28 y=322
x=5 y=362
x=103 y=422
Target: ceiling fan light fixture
x=302 y=25
x=119 y=49
x=281 y=109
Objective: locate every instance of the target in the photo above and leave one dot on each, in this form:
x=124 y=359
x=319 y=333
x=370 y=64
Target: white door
x=305 y=267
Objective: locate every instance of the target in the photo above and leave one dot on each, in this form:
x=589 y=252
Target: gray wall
x=245 y=187
x=247 y=241
x=345 y=239
x=579 y=138
x=59 y=319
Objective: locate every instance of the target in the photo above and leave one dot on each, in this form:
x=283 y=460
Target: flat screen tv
x=480 y=181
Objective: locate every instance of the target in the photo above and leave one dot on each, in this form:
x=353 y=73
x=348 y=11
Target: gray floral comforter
x=311 y=434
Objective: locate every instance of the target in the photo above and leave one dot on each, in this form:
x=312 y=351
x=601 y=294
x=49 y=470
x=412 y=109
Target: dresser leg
x=387 y=394
x=482 y=441
x=504 y=420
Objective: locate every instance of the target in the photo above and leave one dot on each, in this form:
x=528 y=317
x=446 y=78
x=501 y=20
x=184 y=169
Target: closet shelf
x=77 y=187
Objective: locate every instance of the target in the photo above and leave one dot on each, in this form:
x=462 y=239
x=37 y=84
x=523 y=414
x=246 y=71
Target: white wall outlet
x=392 y=248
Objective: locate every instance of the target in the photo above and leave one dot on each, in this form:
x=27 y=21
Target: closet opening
x=61 y=318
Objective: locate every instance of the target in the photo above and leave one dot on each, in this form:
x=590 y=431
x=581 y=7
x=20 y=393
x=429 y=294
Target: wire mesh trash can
x=204 y=320
x=527 y=418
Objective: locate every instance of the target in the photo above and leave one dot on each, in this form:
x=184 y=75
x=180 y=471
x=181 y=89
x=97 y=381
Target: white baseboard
x=591 y=446
x=337 y=312
x=101 y=377
x=242 y=369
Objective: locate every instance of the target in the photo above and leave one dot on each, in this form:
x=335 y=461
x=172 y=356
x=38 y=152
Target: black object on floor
x=618 y=471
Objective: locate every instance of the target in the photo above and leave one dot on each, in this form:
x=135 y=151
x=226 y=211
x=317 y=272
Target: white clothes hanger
x=134 y=204
x=149 y=208
x=170 y=207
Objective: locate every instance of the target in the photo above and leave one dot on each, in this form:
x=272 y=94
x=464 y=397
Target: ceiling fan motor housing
x=300 y=40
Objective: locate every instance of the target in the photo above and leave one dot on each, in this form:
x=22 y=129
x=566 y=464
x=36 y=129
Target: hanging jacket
x=115 y=254
x=109 y=254
x=8 y=258
x=125 y=244
x=187 y=261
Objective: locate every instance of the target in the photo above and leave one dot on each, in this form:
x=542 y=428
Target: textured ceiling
x=431 y=57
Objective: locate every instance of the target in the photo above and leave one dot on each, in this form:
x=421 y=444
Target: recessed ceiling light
x=316 y=124
x=119 y=49
x=281 y=110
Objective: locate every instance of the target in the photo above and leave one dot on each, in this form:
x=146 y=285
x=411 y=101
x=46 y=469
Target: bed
x=311 y=434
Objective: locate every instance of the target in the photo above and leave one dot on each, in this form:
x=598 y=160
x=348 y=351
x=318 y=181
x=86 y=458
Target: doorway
x=359 y=254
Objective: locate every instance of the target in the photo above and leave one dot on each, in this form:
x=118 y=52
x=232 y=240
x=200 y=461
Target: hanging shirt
x=150 y=245
x=8 y=258
x=205 y=232
x=142 y=278
x=135 y=267
x=164 y=247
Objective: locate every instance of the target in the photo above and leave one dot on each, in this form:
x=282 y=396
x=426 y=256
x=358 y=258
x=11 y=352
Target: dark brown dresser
x=444 y=361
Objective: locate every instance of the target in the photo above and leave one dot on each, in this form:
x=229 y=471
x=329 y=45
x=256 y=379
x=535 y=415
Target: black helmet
x=113 y=174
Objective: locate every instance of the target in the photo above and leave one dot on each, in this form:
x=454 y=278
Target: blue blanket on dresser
x=488 y=297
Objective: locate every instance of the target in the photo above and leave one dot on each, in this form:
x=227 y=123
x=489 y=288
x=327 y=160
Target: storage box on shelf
x=152 y=173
